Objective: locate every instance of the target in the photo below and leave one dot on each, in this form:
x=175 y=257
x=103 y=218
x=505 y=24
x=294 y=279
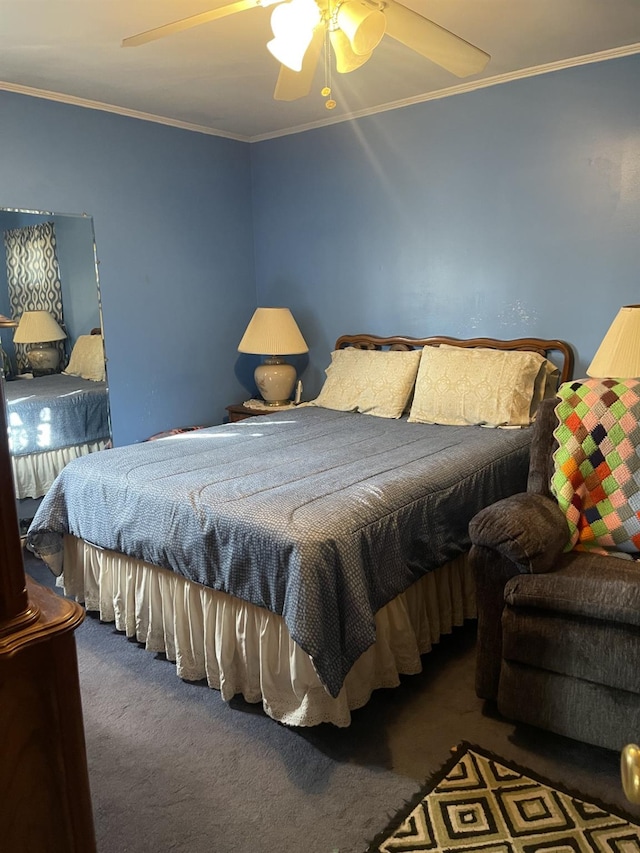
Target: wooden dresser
x=45 y=802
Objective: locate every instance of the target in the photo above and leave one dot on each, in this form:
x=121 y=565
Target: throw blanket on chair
x=597 y=464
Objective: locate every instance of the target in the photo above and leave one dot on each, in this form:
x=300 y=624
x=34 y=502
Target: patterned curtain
x=33 y=277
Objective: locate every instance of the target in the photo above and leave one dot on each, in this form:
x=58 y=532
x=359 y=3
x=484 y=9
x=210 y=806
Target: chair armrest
x=520 y=534
x=528 y=529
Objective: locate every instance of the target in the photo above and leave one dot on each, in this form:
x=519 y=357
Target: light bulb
x=292 y=25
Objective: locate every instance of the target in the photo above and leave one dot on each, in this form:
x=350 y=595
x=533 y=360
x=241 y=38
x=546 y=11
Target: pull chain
x=330 y=104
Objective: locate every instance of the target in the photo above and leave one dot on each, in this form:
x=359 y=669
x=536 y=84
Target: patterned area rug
x=479 y=802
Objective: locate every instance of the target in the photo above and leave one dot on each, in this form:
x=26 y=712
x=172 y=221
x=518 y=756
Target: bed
x=55 y=418
x=302 y=559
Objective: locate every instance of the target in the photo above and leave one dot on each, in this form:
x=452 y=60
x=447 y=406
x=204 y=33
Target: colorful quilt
x=597 y=464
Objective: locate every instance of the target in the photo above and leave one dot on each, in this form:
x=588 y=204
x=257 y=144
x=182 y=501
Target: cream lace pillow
x=546 y=382
x=477 y=386
x=87 y=358
x=374 y=382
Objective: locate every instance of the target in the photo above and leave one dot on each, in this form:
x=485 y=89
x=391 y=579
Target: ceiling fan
x=352 y=29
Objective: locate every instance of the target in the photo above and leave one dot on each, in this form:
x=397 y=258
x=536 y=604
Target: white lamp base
x=275 y=380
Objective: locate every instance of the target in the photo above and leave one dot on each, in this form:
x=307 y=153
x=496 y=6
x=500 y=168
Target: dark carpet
x=174 y=769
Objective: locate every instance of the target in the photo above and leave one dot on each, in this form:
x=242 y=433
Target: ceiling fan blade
x=433 y=42
x=292 y=85
x=193 y=21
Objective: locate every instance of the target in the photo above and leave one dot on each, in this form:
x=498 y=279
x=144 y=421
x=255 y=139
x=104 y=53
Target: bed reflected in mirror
x=51 y=347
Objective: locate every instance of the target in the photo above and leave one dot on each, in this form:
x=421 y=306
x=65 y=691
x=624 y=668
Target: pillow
x=460 y=386
x=547 y=380
x=546 y=384
x=373 y=382
x=87 y=358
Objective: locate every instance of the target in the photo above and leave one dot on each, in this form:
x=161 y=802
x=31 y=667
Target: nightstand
x=238 y=412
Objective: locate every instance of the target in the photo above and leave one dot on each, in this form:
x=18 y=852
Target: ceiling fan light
x=363 y=26
x=290 y=52
x=293 y=24
x=346 y=59
x=295 y=19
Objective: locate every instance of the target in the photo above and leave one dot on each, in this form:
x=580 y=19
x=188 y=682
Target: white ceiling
x=219 y=77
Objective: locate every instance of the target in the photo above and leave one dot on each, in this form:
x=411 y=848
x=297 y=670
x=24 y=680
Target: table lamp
x=618 y=356
x=40 y=330
x=274 y=333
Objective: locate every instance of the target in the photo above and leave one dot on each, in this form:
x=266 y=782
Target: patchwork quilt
x=597 y=464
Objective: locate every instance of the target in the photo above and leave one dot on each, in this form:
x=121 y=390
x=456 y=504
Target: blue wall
x=172 y=218
x=509 y=211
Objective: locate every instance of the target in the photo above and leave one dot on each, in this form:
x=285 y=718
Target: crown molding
x=521 y=74
x=121 y=111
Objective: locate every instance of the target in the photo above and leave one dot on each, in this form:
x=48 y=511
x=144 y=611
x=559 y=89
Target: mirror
x=56 y=409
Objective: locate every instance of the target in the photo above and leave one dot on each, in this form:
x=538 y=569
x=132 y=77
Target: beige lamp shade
x=274 y=332
x=37 y=327
x=618 y=356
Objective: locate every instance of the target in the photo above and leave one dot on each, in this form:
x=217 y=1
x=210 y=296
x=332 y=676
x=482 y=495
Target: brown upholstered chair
x=558 y=632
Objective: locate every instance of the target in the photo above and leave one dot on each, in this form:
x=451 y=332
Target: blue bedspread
x=56 y=411
x=320 y=516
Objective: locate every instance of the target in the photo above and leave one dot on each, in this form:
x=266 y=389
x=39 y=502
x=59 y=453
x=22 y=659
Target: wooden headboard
x=540 y=345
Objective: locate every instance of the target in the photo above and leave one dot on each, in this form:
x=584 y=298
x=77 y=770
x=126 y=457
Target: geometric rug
x=479 y=802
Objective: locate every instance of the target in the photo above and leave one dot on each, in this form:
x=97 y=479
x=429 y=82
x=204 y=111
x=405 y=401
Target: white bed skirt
x=243 y=649
x=34 y=473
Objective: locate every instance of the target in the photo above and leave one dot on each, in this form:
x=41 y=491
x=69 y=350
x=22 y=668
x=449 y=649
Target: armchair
x=558 y=632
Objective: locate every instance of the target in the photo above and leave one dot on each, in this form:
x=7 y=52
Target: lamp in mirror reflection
x=618 y=356
x=39 y=331
x=273 y=332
